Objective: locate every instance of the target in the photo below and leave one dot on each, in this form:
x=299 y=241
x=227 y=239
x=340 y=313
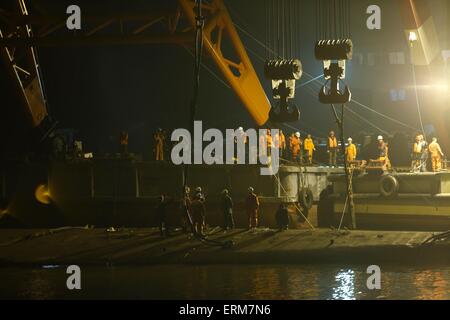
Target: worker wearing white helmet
x=199 y=194
x=382 y=149
x=295 y=145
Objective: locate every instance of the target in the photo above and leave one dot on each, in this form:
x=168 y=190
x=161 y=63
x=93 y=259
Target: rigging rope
x=200 y=22
x=295 y=204
x=319 y=30
x=417 y=99
x=251 y=36
x=346 y=201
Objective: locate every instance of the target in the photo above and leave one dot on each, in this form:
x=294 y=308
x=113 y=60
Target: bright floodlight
x=412 y=36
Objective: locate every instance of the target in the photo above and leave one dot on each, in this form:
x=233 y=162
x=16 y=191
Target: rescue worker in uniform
x=424 y=156
x=252 y=207
x=159 y=137
x=350 y=151
x=332 y=148
x=309 y=146
x=296 y=148
x=436 y=155
x=227 y=209
x=416 y=154
x=239 y=136
x=280 y=142
x=198 y=212
x=123 y=141
x=199 y=191
x=382 y=149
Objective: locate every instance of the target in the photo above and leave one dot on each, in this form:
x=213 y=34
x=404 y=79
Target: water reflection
x=227 y=282
x=431 y=285
x=37 y=286
x=345 y=289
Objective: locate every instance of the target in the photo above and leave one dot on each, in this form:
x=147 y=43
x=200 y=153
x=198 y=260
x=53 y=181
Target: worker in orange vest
x=267 y=143
x=159 y=137
x=436 y=155
x=239 y=137
x=123 y=141
x=350 y=151
x=280 y=142
x=309 y=146
x=296 y=147
x=332 y=148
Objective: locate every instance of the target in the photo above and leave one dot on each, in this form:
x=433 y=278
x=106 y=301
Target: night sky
x=100 y=91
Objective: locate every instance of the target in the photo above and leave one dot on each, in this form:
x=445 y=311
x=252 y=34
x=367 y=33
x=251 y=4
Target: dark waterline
x=226 y=282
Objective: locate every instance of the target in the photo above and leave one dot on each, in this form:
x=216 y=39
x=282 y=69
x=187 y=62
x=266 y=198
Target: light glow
x=437 y=86
x=412 y=36
x=42 y=194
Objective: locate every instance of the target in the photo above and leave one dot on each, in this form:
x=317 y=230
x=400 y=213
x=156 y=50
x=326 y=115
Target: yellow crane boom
x=21 y=33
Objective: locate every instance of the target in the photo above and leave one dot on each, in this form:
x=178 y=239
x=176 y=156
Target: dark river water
x=226 y=282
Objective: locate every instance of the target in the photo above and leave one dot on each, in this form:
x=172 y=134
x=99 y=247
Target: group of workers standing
x=421 y=152
x=302 y=151
x=193 y=211
x=299 y=148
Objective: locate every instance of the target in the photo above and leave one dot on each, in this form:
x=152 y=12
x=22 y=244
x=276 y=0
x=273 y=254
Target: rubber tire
x=393 y=186
x=306 y=198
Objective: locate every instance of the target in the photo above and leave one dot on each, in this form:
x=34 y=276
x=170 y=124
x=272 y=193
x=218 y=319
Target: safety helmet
x=251 y=190
x=380 y=138
x=297 y=134
x=240 y=129
x=331 y=133
x=199 y=196
x=350 y=139
x=198 y=189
